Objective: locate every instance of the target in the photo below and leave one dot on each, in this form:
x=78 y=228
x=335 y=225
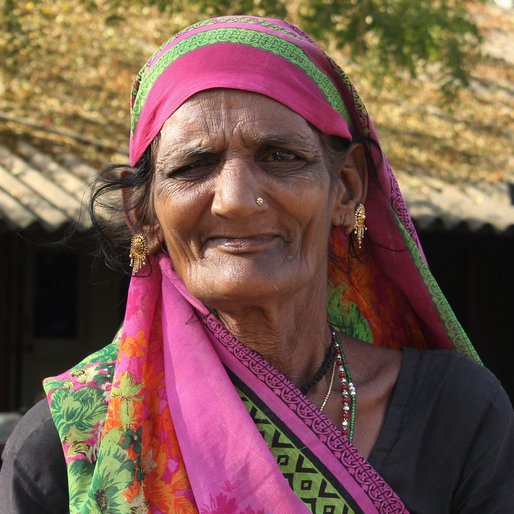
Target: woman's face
x=218 y=153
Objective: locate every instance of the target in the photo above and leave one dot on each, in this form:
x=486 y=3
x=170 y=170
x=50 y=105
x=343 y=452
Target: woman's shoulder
x=33 y=473
x=94 y=371
x=32 y=427
x=450 y=428
x=458 y=398
x=448 y=374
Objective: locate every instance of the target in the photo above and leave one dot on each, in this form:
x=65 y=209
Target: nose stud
x=259 y=201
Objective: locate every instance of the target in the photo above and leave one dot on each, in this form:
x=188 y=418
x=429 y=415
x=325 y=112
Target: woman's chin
x=252 y=279
x=243 y=290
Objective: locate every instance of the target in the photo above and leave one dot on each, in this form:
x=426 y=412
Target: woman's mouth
x=241 y=244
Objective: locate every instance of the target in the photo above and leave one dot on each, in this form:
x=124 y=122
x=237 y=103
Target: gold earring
x=138 y=252
x=359 y=227
x=259 y=201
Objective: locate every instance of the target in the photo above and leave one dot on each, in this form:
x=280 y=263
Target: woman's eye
x=282 y=162
x=282 y=155
x=194 y=171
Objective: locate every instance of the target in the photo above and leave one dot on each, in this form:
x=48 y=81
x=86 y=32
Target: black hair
x=108 y=210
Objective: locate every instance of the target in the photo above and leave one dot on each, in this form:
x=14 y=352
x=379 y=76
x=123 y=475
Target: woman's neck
x=292 y=334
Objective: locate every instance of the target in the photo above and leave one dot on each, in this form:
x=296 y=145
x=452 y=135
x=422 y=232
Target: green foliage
x=209 y=8
x=434 y=37
x=390 y=37
x=438 y=38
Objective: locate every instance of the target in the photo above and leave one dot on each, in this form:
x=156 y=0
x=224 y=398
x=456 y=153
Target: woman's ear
x=351 y=174
x=140 y=216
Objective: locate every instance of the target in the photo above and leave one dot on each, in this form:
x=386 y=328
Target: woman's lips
x=244 y=244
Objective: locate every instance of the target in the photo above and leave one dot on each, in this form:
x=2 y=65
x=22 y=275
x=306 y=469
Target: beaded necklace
x=348 y=393
x=327 y=396
x=322 y=371
x=335 y=354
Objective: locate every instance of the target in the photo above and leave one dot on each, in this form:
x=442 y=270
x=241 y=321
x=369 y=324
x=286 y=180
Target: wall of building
x=476 y=273
x=60 y=309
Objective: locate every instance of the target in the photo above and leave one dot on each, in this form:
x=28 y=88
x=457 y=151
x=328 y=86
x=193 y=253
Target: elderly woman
x=269 y=360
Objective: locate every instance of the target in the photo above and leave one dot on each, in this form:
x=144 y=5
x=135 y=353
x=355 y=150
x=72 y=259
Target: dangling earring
x=138 y=252
x=359 y=227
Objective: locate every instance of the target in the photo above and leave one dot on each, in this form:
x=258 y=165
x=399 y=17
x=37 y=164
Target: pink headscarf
x=395 y=296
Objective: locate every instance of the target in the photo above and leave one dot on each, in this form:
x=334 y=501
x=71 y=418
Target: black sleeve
x=487 y=484
x=447 y=444
x=33 y=474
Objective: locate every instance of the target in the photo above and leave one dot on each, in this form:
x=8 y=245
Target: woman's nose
x=237 y=189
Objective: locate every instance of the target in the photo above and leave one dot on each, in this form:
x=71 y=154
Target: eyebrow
x=278 y=139
x=184 y=153
x=260 y=139
x=197 y=151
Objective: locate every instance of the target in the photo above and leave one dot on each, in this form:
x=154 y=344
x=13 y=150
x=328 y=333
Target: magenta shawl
x=180 y=416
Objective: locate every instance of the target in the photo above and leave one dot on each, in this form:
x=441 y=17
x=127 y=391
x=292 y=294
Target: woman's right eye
x=197 y=170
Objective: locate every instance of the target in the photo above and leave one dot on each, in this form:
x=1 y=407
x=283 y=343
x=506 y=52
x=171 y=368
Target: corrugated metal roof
x=37 y=190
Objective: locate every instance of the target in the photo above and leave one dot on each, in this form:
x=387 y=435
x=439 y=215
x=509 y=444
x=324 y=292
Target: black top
x=447 y=444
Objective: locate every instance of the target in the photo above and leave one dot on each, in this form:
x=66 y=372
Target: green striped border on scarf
x=255 y=39
x=453 y=328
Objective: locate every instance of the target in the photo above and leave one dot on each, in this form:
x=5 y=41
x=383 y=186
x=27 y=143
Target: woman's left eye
x=283 y=162
x=282 y=155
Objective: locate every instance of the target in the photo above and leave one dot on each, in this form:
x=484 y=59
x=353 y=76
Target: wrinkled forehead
x=259 y=55
x=212 y=121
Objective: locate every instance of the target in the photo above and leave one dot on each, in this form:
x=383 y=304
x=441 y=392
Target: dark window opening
x=55 y=295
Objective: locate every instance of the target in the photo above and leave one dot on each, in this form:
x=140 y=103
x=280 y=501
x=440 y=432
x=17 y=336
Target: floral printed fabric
x=111 y=413
x=159 y=400
x=364 y=303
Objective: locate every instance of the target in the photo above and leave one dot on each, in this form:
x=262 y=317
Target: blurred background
x=436 y=76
